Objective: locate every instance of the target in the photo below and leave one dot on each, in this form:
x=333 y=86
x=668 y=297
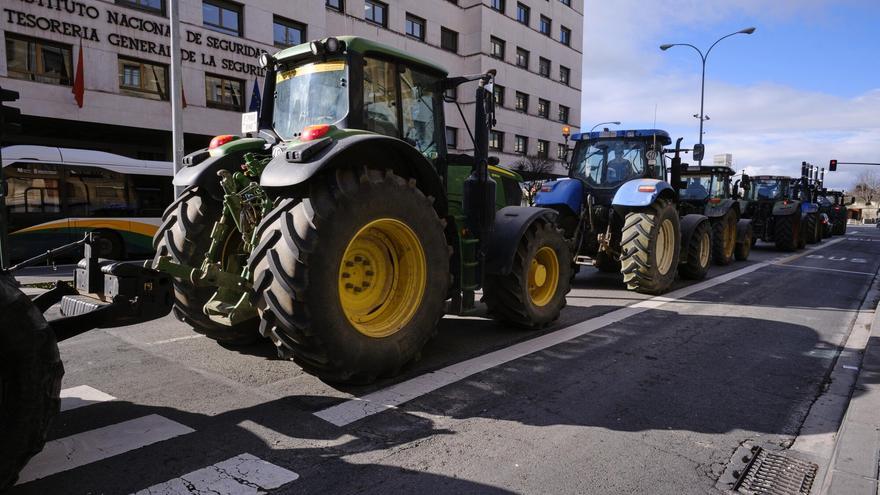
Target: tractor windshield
x=768 y=189
x=609 y=163
x=310 y=94
x=700 y=187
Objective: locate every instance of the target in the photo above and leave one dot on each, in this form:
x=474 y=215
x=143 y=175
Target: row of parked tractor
x=341 y=229
x=624 y=209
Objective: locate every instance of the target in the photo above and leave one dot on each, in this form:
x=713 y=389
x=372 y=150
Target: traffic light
x=10 y=117
x=832 y=165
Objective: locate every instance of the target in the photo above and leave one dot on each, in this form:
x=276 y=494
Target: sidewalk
x=854 y=464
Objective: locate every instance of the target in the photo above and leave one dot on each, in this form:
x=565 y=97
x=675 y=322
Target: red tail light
x=714 y=200
x=221 y=140
x=836 y=208
x=311 y=132
x=546 y=188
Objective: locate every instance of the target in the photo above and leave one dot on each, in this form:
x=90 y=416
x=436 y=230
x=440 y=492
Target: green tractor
x=340 y=228
x=770 y=203
x=707 y=190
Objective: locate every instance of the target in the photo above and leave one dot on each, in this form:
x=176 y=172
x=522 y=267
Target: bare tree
x=867 y=186
x=533 y=165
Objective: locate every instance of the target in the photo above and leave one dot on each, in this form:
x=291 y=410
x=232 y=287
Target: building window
x=522 y=58
x=520 y=144
x=560 y=151
x=143 y=79
x=498 y=92
x=522 y=102
x=222 y=16
x=565 y=36
x=545 y=25
x=522 y=13
x=288 y=33
x=415 y=27
x=543 y=149
x=336 y=5
x=224 y=93
x=451 y=94
x=155 y=6
x=376 y=12
x=563 y=114
x=543 y=108
x=451 y=137
x=498 y=5
x=448 y=40
x=37 y=60
x=496 y=140
x=497 y=47
x=567 y=3
x=544 y=67
x=564 y=74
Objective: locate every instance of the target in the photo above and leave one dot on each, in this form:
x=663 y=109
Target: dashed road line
x=94 y=445
x=244 y=473
x=82 y=395
x=389 y=398
x=176 y=339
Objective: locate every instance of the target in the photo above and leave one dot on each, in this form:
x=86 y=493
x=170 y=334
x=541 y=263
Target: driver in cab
x=619 y=167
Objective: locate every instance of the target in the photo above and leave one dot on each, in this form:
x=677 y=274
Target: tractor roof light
x=328 y=46
x=649 y=188
x=219 y=141
x=312 y=132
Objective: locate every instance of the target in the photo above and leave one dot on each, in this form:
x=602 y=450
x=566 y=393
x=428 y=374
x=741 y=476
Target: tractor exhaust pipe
x=675 y=172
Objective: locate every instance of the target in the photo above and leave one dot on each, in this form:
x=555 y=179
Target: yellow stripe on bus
x=142 y=228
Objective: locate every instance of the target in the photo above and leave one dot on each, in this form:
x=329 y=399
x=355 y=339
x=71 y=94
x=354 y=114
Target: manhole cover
x=777 y=474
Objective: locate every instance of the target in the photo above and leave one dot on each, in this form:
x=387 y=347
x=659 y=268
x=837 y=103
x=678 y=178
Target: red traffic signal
x=832 y=165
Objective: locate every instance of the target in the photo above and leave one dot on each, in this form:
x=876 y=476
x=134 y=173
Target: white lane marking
x=176 y=339
x=244 y=473
x=823 y=269
x=389 y=398
x=83 y=395
x=94 y=445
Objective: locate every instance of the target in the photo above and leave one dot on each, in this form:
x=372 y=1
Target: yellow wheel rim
x=730 y=238
x=382 y=277
x=543 y=276
x=665 y=249
x=705 y=247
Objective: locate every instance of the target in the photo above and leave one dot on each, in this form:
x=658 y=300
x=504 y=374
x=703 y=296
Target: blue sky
x=804 y=86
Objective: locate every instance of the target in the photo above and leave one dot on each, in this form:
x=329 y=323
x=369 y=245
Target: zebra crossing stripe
x=94 y=445
x=244 y=473
x=83 y=395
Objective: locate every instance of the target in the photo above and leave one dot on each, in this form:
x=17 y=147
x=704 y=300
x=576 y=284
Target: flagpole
x=176 y=91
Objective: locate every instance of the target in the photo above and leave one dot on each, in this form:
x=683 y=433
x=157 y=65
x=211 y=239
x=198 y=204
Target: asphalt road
x=626 y=394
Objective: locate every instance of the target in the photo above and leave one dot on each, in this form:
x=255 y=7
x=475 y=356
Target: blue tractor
x=620 y=214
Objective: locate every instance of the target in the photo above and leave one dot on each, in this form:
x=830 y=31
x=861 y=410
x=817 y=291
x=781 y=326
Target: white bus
x=54 y=195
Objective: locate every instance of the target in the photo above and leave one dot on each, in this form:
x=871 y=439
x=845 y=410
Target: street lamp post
x=603 y=123
x=703 y=57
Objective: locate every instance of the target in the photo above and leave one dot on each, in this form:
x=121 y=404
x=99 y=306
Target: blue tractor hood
x=563 y=192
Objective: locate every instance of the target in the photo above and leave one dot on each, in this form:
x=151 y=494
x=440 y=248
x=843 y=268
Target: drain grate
x=777 y=474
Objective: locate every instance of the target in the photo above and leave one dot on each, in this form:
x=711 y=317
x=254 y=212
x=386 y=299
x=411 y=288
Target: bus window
x=33 y=188
x=104 y=190
x=151 y=194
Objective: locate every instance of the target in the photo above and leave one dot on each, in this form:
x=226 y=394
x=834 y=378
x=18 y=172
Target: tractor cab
x=705 y=189
x=769 y=188
x=608 y=159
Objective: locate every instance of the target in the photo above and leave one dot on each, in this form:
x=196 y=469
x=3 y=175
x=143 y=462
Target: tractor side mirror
x=852 y=200
x=699 y=152
x=494 y=160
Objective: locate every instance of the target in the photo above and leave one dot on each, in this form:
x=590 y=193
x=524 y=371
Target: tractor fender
x=642 y=192
x=719 y=209
x=357 y=149
x=742 y=228
x=511 y=222
x=785 y=208
x=563 y=192
x=809 y=207
x=688 y=225
x=200 y=167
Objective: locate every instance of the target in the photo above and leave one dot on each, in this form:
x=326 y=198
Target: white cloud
x=769 y=128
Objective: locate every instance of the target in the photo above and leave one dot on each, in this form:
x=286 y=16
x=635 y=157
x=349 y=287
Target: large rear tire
x=744 y=244
x=352 y=280
x=533 y=294
x=185 y=236
x=650 y=245
x=724 y=238
x=699 y=248
x=786 y=233
x=30 y=381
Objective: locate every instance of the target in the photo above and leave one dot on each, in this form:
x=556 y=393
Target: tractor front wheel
x=724 y=238
x=185 y=236
x=811 y=226
x=30 y=381
x=650 y=245
x=533 y=294
x=745 y=243
x=352 y=280
x=698 y=255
